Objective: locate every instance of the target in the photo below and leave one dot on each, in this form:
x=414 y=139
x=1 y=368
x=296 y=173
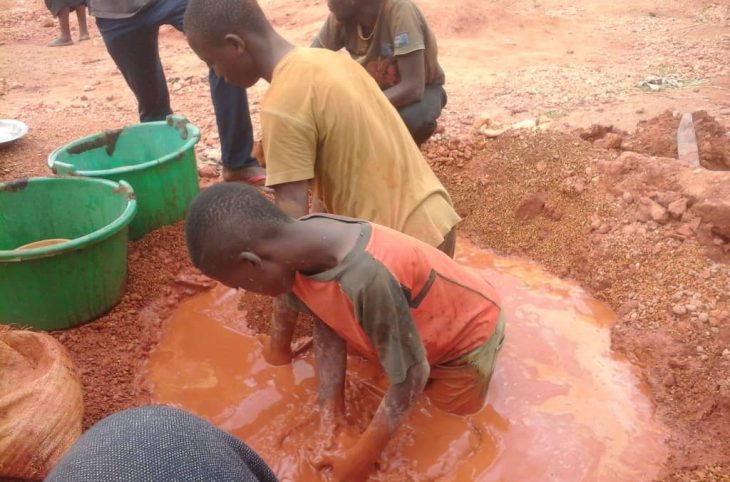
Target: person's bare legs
x=83 y=29
x=65 y=37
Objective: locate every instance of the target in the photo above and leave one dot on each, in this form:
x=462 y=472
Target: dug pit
x=561 y=405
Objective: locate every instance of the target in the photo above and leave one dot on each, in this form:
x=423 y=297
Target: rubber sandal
x=60 y=43
x=255 y=180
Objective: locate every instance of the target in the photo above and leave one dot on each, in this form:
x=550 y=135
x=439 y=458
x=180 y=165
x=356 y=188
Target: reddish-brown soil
x=658 y=137
x=568 y=64
x=582 y=230
x=257 y=309
x=110 y=351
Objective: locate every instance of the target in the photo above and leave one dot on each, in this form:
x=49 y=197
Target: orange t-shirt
x=392 y=290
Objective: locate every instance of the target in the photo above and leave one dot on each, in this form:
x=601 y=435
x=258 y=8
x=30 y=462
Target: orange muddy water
x=561 y=406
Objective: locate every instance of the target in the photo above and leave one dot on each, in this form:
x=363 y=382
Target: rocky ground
x=594 y=192
x=644 y=234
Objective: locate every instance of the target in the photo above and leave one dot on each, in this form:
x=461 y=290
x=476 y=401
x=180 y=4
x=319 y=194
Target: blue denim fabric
x=133 y=45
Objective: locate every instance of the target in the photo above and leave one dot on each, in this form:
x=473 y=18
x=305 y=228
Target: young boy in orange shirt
x=429 y=322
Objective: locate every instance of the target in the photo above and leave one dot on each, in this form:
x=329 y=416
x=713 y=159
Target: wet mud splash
x=561 y=406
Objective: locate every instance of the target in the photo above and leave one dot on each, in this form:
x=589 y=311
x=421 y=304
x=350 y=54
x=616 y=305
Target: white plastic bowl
x=11 y=130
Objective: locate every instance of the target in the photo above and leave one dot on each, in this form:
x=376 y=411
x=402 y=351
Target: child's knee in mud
x=458 y=389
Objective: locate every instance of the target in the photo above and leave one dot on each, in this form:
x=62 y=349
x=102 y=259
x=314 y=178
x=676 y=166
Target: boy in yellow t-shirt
x=326 y=125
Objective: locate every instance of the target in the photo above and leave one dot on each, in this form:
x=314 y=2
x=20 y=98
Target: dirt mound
x=655 y=137
x=667 y=190
x=713 y=142
x=531 y=194
x=658 y=137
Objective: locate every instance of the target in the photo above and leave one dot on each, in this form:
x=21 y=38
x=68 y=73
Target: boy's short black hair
x=226 y=217
x=212 y=20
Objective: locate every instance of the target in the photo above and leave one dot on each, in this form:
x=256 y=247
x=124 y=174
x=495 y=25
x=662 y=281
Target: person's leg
x=81 y=17
x=236 y=132
x=456 y=388
x=420 y=117
x=159 y=443
x=172 y=13
x=133 y=45
x=64 y=38
x=232 y=117
x=461 y=386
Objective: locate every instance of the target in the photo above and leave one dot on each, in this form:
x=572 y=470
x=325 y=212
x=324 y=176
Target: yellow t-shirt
x=324 y=119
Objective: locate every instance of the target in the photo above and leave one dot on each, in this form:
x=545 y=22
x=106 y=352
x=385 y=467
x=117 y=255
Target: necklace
x=363 y=37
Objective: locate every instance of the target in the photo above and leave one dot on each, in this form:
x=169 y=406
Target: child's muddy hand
x=325 y=438
x=323 y=441
x=345 y=467
x=347 y=463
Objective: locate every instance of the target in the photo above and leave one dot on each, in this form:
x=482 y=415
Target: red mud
x=558 y=393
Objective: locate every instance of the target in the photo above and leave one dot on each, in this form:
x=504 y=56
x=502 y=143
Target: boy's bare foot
x=61 y=42
x=84 y=36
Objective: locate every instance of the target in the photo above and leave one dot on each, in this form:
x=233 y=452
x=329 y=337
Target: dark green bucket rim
x=188 y=132
x=77 y=243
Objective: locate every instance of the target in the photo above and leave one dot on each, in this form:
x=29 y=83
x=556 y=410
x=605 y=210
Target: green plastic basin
x=64 y=284
x=156 y=158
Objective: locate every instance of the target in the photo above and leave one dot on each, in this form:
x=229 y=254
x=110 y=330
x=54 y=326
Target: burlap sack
x=40 y=403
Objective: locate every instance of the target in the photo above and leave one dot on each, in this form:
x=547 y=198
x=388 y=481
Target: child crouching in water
x=432 y=324
x=62 y=9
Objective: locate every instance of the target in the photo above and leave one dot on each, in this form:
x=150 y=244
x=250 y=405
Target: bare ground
x=573 y=205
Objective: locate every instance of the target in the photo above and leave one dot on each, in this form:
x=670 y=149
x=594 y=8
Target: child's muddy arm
x=356 y=463
x=293 y=199
x=384 y=313
x=331 y=354
x=283 y=323
x=398 y=400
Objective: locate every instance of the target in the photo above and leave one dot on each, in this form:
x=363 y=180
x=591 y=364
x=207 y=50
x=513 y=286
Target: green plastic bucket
x=64 y=284
x=156 y=158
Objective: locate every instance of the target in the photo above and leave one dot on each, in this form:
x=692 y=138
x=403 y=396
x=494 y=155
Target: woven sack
x=40 y=403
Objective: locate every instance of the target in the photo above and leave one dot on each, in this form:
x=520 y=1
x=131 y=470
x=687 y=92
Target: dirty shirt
x=400 y=29
x=325 y=120
x=391 y=291
x=117 y=8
